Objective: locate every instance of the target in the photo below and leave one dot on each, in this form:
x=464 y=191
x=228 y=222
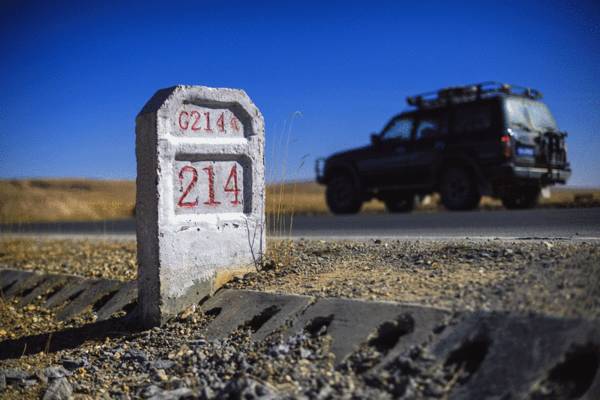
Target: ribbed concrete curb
x=502 y=353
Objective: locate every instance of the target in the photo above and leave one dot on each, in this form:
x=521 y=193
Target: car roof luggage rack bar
x=460 y=94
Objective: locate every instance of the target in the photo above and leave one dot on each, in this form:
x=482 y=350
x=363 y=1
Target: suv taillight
x=506 y=145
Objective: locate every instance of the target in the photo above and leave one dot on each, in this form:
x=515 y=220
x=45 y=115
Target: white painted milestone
x=200 y=195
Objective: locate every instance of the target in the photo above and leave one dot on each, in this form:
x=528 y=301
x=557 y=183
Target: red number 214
x=231 y=186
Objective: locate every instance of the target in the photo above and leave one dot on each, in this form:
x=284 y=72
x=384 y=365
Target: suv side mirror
x=375 y=139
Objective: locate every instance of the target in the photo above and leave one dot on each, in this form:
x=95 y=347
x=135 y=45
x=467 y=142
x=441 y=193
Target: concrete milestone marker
x=200 y=195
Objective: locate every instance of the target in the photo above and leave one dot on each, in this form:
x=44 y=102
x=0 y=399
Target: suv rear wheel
x=459 y=190
x=521 y=198
x=400 y=203
x=343 y=195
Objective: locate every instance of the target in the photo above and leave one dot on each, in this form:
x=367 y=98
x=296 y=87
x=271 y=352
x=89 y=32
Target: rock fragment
x=59 y=389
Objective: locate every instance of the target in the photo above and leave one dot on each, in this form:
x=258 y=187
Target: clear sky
x=73 y=75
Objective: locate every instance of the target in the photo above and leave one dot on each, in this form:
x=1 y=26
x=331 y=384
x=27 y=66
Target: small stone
x=41 y=377
x=206 y=393
x=434 y=390
x=29 y=382
x=161 y=375
x=14 y=376
x=136 y=355
x=187 y=313
x=163 y=364
x=55 y=372
x=150 y=390
x=246 y=388
x=305 y=353
x=59 y=389
x=173 y=394
x=72 y=363
x=279 y=349
x=197 y=342
x=2 y=382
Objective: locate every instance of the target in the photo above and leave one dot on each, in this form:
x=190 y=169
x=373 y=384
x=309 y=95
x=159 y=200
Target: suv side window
x=473 y=119
x=400 y=128
x=430 y=128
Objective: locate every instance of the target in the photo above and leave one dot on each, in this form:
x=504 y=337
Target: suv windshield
x=529 y=114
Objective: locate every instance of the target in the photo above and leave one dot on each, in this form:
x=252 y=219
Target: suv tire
x=521 y=198
x=343 y=195
x=400 y=203
x=458 y=190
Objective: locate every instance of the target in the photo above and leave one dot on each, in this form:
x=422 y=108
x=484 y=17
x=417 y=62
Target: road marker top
x=200 y=195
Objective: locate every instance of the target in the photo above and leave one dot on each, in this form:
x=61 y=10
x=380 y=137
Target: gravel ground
x=110 y=259
x=551 y=277
x=560 y=278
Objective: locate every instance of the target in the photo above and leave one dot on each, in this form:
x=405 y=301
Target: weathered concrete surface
x=95 y=292
x=23 y=284
x=493 y=355
x=49 y=283
x=513 y=356
x=262 y=312
x=123 y=300
x=351 y=322
x=200 y=195
x=69 y=296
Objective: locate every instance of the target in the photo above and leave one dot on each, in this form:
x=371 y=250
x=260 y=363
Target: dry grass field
x=48 y=200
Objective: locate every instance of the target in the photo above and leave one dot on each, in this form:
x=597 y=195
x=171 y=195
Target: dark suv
x=463 y=142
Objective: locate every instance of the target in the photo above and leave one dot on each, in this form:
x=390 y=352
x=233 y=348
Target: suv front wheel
x=343 y=195
x=458 y=190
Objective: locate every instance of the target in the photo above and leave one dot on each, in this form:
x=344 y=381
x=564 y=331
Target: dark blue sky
x=73 y=76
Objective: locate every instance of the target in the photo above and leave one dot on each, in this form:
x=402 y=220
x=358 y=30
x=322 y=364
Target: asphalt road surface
x=538 y=223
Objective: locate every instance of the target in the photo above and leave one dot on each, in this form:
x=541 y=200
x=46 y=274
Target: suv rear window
x=529 y=115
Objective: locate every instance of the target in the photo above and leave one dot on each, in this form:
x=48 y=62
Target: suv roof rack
x=461 y=94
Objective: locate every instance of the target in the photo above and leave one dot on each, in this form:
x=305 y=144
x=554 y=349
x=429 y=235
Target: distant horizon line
x=291 y=181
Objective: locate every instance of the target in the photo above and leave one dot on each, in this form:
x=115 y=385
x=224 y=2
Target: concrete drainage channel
x=498 y=353
x=71 y=295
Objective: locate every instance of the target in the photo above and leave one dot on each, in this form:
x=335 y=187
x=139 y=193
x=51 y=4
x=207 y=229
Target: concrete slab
x=423 y=325
x=200 y=195
x=75 y=286
x=49 y=283
x=126 y=296
x=26 y=283
x=93 y=293
x=507 y=356
x=262 y=312
x=9 y=277
x=352 y=322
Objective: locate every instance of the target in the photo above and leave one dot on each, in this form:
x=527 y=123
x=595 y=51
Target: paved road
x=539 y=223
